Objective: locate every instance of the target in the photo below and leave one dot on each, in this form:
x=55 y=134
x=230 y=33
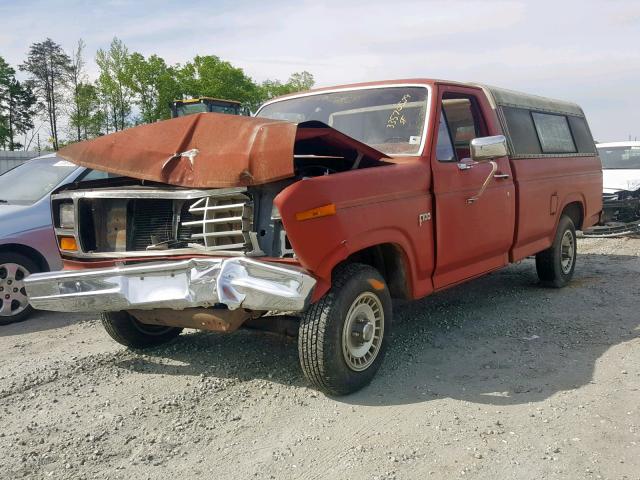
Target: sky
x=584 y=51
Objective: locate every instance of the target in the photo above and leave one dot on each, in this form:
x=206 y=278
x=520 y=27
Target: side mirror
x=488 y=148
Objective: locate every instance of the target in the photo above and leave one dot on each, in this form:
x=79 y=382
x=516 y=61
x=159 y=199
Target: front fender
x=379 y=205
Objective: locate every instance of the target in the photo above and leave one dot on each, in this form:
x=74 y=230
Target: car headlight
x=67 y=216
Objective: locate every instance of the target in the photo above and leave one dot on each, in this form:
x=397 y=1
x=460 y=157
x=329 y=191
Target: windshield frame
x=427 y=114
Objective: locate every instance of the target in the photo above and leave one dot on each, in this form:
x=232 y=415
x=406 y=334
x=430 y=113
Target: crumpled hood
x=202 y=150
x=207 y=150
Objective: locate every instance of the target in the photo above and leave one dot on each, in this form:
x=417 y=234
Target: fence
x=8 y=160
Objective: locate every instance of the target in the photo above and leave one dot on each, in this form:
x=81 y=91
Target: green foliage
x=298 y=82
x=113 y=86
x=17 y=107
x=130 y=89
x=208 y=76
x=87 y=118
x=154 y=85
x=48 y=67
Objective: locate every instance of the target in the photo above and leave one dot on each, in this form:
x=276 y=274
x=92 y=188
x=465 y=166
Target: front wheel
x=343 y=337
x=14 y=304
x=555 y=266
x=126 y=330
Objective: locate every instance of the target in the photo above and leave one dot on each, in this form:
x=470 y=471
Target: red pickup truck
x=325 y=206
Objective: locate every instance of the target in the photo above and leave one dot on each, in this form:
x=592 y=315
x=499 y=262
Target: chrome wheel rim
x=363 y=331
x=13 y=297
x=567 y=251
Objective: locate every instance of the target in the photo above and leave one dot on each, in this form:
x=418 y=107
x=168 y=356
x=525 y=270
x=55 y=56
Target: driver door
x=472 y=237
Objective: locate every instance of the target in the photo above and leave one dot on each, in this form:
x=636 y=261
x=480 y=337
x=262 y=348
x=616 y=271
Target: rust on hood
x=208 y=150
x=205 y=150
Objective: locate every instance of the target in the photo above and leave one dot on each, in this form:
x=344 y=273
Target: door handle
x=494 y=168
x=501 y=176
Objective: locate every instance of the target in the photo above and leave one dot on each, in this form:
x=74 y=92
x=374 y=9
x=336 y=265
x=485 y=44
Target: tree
x=154 y=85
x=16 y=107
x=88 y=116
x=211 y=77
x=298 y=82
x=6 y=74
x=48 y=66
x=112 y=83
x=77 y=77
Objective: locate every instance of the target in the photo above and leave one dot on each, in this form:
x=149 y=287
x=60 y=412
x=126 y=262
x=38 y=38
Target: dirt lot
x=498 y=378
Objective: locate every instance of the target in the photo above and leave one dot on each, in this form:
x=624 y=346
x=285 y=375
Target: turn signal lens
x=317 y=212
x=68 y=243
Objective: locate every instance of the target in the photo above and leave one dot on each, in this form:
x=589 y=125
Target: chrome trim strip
x=143 y=192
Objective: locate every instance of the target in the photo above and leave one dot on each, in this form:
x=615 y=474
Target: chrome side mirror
x=488 y=148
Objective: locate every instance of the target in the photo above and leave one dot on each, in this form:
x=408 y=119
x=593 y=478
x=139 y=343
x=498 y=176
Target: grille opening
x=151 y=223
x=217 y=222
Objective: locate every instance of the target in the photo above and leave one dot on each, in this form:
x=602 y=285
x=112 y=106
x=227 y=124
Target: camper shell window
x=554 y=133
x=540 y=127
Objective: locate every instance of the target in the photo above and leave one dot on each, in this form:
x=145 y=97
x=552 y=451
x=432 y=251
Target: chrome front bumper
x=197 y=282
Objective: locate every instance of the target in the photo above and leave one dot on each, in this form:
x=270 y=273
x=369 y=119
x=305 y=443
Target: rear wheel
x=14 y=304
x=128 y=331
x=343 y=337
x=555 y=266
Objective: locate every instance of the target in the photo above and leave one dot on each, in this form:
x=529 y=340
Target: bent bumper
x=197 y=282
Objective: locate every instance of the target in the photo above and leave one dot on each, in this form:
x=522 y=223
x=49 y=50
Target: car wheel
x=343 y=337
x=14 y=304
x=555 y=266
x=126 y=330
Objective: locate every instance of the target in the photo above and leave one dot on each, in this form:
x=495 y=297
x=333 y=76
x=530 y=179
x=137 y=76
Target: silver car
x=27 y=241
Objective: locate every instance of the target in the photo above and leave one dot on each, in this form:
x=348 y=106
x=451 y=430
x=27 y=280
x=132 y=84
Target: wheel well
x=29 y=252
x=575 y=212
x=388 y=259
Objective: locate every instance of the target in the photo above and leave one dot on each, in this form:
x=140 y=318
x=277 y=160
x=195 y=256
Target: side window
x=444 y=147
x=554 y=133
x=465 y=122
x=96 y=175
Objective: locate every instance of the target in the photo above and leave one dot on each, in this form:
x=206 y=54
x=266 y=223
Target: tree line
x=130 y=89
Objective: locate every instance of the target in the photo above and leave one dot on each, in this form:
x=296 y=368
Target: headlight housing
x=67 y=216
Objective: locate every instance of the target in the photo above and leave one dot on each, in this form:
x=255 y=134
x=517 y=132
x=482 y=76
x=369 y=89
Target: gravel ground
x=498 y=378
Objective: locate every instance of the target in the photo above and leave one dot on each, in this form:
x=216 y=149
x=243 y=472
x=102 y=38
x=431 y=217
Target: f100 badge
x=424 y=217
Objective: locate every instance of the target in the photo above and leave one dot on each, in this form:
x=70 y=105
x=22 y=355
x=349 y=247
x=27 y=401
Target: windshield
x=29 y=182
x=231 y=109
x=389 y=119
x=190 y=108
x=203 y=107
x=620 y=157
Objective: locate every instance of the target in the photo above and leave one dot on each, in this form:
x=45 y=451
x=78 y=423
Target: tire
x=555 y=266
x=14 y=304
x=128 y=331
x=339 y=353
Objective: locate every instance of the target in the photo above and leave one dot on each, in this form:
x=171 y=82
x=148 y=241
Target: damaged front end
x=191 y=240
x=176 y=285
x=620 y=214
